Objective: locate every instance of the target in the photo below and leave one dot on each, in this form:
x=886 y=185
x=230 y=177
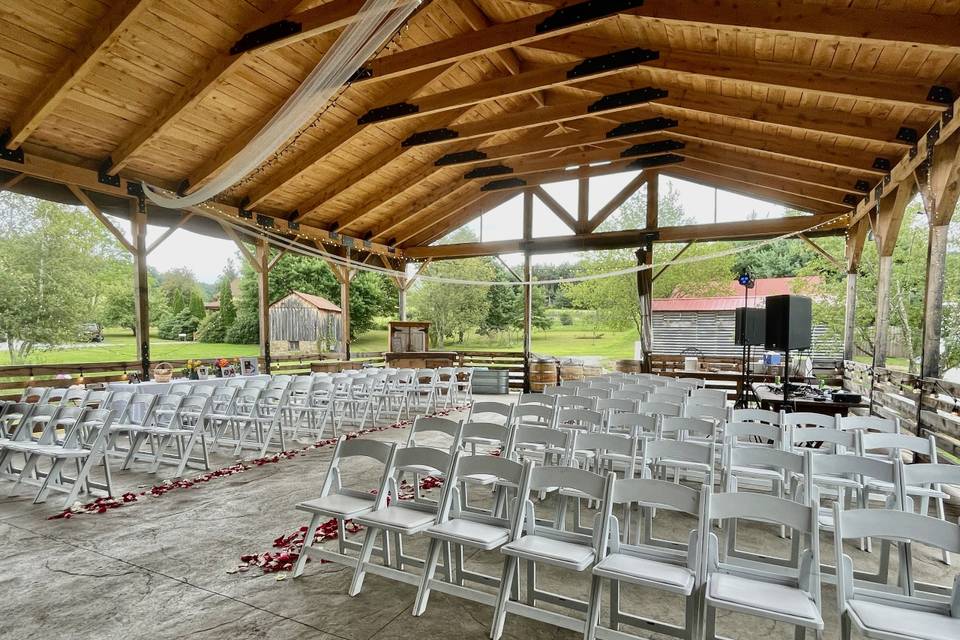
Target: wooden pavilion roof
x=809 y=104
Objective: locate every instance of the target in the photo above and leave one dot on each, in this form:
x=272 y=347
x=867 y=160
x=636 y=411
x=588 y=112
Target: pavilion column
x=263 y=299
x=141 y=287
x=889 y=216
x=939 y=182
x=528 y=288
x=854 y=250
x=344 y=275
x=402 y=303
x=645 y=277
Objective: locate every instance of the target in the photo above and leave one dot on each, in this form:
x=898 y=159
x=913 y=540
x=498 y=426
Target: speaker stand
x=786 y=377
x=746 y=383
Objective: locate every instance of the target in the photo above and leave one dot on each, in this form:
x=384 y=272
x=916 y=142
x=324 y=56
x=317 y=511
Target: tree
x=117 y=308
x=453 y=310
x=174 y=325
x=504 y=310
x=197 y=310
x=51 y=260
x=539 y=318
x=228 y=310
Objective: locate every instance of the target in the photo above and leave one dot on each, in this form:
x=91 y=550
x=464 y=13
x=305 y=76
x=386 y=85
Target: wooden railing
x=897 y=394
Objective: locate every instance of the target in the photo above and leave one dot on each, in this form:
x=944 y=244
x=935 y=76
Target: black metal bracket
x=430 y=135
x=105 y=178
x=487 y=172
x=862 y=185
x=363 y=73
x=908 y=134
x=388 y=112
x=507 y=183
x=135 y=189
x=947 y=115
x=933 y=134
x=851 y=200
x=264 y=221
x=660 y=146
x=265 y=35
x=882 y=164
x=292 y=224
x=627 y=98
x=615 y=60
x=10 y=155
x=459 y=157
x=655 y=161
x=878 y=192
x=940 y=94
x=584 y=12
x=641 y=126
x=246 y=214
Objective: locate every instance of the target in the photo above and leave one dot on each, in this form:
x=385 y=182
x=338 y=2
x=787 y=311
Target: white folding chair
x=659 y=408
x=543 y=399
x=708 y=397
x=545 y=445
x=485 y=530
x=451 y=435
x=576 y=402
x=671 y=566
x=463 y=386
x=881 y=614
x=634 y=424
x=634 y=396
x=782 y=590
x=35 y=395
x=392 y=517
x=180 y=389
x=342 y=503
x=423 y=389
x=575 y=552
x=924 y=480
x=444 y=386
x=534 y=414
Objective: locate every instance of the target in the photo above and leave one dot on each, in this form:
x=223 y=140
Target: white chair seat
x=60 y=452
x=475 y=534
x=636 y=570
x=904 y=623
x=480 y=478
x=339 y=505
x=686 y=464
x=556 y=552
x=749 y=596
x=756 y=472
x=887 y=487
x=836 y=481
x=421 y=470
x=23 y=446
x=400 y=519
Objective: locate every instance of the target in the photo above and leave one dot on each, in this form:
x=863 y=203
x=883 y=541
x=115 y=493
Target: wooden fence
x=513 y=361
x=928 y=406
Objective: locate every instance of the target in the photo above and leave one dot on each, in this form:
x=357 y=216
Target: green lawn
x=576 y=339
x=119 y=345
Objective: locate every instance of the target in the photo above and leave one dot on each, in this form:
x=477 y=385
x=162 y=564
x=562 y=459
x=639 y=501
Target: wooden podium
x=408 y=347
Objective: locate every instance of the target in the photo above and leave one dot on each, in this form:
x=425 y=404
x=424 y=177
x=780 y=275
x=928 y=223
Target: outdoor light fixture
x=745 y=279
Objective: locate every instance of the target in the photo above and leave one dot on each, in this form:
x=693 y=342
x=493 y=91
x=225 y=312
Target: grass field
x=576 y=339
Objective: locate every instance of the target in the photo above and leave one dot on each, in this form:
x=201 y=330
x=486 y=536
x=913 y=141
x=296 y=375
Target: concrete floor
x=161 y=568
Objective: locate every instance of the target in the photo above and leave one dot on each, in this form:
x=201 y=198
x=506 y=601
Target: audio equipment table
x=808 y=399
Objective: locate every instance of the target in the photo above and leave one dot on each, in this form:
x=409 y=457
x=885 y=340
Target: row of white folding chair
x=58 y=435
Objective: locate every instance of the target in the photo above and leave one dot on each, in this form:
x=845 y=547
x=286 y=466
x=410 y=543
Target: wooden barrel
x=629 y=366
x=543 y=373
x=571 y=371
x=589 y=371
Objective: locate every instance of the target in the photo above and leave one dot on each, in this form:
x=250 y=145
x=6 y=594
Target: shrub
x=211 y=329
x=245 y=329
x=174 y=324
x=566 y=319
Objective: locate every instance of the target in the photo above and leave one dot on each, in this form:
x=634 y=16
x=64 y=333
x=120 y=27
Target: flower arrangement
x=191 y=369
x=226 y=367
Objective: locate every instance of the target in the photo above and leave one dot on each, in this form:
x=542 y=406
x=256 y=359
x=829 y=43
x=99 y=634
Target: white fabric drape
x=376 y=22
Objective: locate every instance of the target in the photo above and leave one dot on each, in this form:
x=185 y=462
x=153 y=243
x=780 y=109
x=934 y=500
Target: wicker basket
x=163 y=372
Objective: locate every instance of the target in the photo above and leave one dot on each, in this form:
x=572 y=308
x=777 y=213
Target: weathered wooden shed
x=305 y=323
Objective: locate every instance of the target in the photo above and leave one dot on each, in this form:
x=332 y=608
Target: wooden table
x=774 y=402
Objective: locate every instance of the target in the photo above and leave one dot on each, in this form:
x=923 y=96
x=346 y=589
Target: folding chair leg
x=510 y=565
x=365 y=552
x=429 y=569
x=593 y=612
x=845 y=626
x=615 y=605
x=710 y=622
x=307 y=542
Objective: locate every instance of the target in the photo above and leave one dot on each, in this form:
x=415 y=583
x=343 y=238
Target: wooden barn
x=706 y=324
x=305 y=323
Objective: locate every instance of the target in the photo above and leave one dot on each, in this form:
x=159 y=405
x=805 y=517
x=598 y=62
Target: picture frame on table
x=229 y=371
x=203 y=372
x=249 y=366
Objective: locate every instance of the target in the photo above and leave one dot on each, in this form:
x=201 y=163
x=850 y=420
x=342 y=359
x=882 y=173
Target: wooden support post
x=884 y=273
x=653 y=201
x=939 y=190
x=402 y=303
x=263 y=299
x=344 y=278
x=141 y=286
x=856 y=236
x=583 y=205
x=645 y=296
x=527 y=288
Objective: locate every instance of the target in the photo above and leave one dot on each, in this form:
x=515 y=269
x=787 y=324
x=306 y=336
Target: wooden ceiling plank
x=424 y=232
x=328 y=17
x=120 y=16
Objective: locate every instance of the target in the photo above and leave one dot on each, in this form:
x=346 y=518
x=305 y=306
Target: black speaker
x=789 y=323
x=750 y=327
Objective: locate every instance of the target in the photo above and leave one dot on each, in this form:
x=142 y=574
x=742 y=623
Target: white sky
x=206 y=257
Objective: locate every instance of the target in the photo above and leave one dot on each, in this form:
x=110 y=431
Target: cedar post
x=141 y=285
x=939 y=182
x=645 y=277
x=856 y=236
x=889 y=216
x=263 y=299
x=527 y=288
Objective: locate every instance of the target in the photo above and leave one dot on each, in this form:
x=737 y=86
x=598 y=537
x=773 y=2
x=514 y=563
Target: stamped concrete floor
x=161 y=568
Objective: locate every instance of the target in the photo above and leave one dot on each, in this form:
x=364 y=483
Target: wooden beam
x=823 y=252
x=750 y=190
x=616 y=201
x=450 y=190
x=828 y=224
x=98 y=214
x=583 y=204
x=890 y=217
x=263 y=298
x=855 y=24
x=882 y=321
x=653 y=201
x=166 y=234
x=12 y=182
x=251 y=259
x=453 y=218
x=93 y=48
x=877 y=88
x=558 y=209
x=327 y=17
x=676 y=256
x=273 y=261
